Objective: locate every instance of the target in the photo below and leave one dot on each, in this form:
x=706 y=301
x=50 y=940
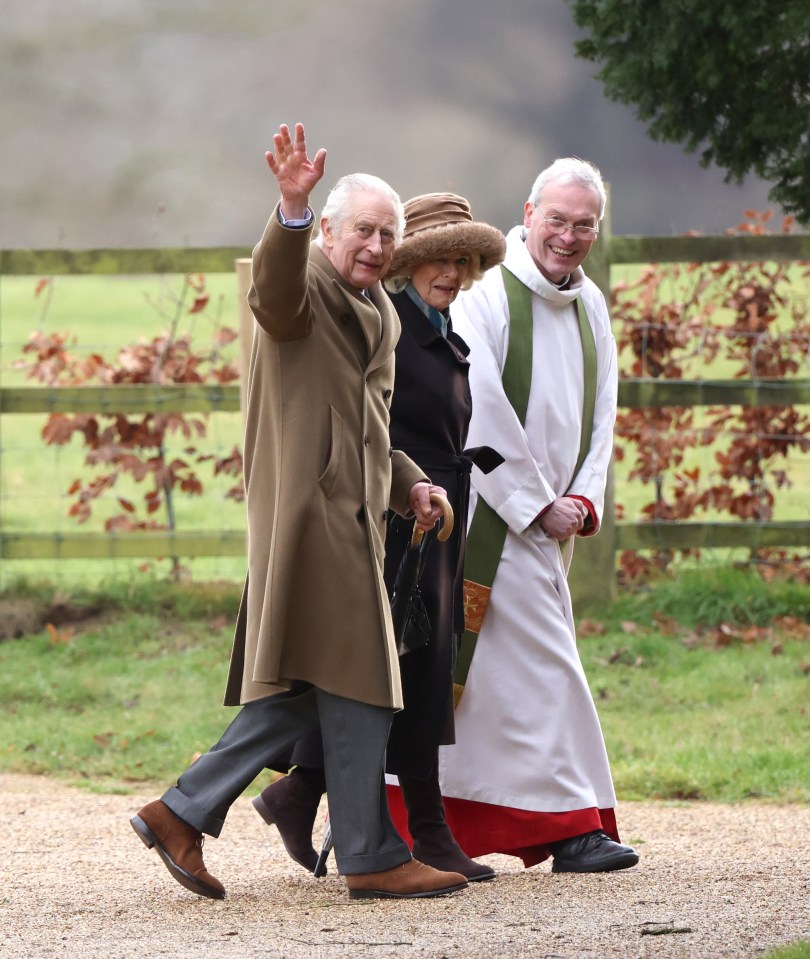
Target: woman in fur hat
x=443 y=251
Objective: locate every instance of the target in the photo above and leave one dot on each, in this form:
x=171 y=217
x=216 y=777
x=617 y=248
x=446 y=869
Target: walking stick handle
x=448 y=521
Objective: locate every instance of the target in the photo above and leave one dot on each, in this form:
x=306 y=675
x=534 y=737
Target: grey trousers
x=354 y=737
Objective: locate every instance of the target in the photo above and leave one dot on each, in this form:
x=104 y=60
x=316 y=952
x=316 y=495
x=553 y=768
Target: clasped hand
x=564 y=518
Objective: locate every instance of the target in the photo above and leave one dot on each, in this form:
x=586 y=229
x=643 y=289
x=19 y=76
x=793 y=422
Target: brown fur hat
x=438 y=223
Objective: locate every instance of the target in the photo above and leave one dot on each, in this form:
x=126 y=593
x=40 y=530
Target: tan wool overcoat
x=319 y=474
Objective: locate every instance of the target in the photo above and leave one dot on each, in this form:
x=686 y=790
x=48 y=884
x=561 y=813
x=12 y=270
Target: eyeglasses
x=557 y=226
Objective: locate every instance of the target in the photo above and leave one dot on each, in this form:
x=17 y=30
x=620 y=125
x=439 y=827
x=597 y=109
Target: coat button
x=390 y=452
x=366 y=440
x=387 y=394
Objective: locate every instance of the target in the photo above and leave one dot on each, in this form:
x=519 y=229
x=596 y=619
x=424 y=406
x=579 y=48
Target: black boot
x=433 y=843
x=291 y=804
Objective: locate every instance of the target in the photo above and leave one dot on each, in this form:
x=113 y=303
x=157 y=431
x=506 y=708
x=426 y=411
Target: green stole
x=488 y=531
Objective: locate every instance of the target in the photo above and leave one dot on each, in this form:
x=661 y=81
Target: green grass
x=725 y=725
x=695 y=711
x=129 y=697
x=713 y=595
x=799 y=950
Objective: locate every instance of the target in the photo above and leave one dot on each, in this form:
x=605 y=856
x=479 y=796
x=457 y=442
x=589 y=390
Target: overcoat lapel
x=374 y=313
x=388 y=326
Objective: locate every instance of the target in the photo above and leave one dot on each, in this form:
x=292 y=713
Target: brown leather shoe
x=411 y=880
x=179 y=846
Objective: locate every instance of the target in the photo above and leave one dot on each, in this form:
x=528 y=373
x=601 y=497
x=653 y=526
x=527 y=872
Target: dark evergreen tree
x=730 y=78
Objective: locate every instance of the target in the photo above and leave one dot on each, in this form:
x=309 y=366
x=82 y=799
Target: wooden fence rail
x=193 y=398
x=189 y=398
x=130 y=398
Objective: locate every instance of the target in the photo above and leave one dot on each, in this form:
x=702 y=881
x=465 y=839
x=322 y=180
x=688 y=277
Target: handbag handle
x=448 y=521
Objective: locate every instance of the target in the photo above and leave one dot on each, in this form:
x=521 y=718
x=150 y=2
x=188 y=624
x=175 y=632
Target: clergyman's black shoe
x=591 y=852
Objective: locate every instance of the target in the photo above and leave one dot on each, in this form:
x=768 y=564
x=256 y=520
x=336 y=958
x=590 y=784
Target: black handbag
x=408 y=613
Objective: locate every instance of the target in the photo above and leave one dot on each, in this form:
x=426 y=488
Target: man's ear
x=326 y=232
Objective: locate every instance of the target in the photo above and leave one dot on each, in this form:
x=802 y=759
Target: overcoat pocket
x=327 y=479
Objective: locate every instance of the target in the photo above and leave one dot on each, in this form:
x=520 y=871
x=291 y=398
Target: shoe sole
x=626 y=862
x=384 y=894
x=151 y=841
x=265 y=812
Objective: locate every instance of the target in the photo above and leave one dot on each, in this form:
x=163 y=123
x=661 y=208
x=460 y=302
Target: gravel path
x=714 y=881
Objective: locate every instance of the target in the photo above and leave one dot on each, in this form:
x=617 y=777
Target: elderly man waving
x=313 y=643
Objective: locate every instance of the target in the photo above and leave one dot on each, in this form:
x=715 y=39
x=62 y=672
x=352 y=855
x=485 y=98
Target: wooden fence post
x=592 y=577
x=245 y=329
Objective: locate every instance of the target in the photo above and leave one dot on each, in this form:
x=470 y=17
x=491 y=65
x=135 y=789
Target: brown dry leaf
x=199 y=303
x=58 y=429
x=666 y=625
x=628 y=626
x=725 y=634
x=591 y=627
x=793 y=626
x=753 y=633
x=63 y=636
x=225 y=335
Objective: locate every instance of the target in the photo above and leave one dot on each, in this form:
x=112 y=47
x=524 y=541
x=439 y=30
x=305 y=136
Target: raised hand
x=295 y=173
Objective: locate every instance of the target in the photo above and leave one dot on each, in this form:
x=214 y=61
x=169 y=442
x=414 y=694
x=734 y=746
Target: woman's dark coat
x=430 y=415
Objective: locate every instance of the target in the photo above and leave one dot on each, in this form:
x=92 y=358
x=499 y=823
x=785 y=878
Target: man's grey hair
x=570 y=170
x=338 y=202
